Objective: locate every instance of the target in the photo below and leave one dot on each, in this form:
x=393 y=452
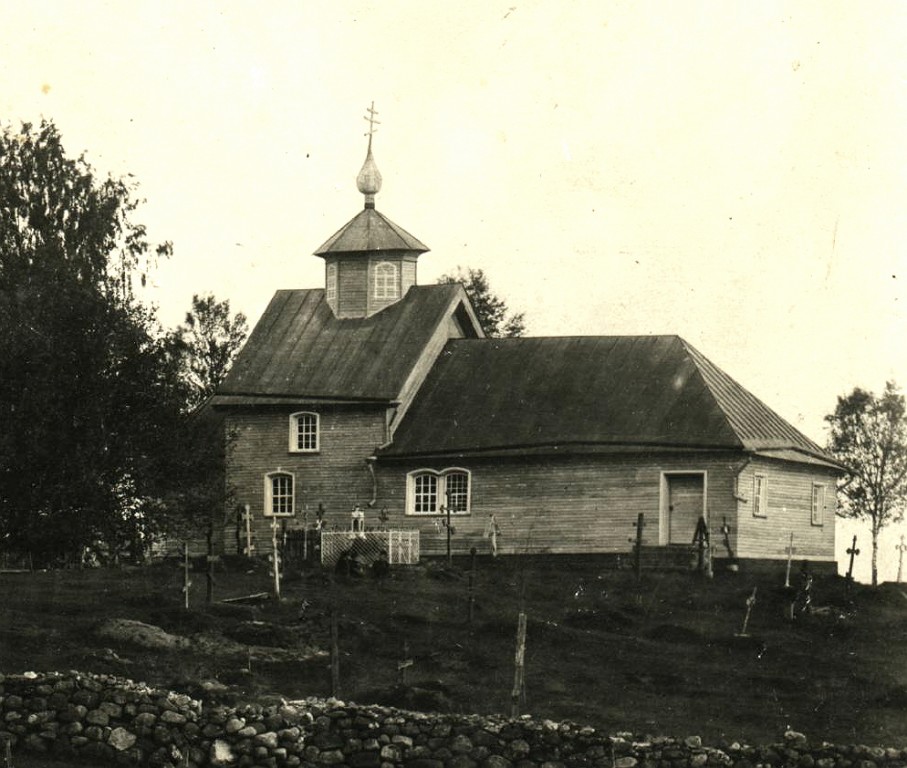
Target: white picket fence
x=402 y=547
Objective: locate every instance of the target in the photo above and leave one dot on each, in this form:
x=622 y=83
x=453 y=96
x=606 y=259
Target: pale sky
x=734 y=173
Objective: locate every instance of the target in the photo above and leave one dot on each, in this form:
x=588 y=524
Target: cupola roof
x=370 y=230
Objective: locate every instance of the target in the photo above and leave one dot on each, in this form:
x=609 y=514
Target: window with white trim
x=431 y=492
x=818 y=504
x=330 y=284
x=279 y=494
x=385 y=280
x=760 y=496
x=304 y=432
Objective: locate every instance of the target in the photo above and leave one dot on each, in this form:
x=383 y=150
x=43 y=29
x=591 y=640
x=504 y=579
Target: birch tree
x=868 y=434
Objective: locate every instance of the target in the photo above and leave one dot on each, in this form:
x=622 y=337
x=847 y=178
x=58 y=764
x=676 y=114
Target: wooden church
x=379 y=393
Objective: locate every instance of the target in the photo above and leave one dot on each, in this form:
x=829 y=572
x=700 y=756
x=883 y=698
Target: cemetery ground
x=659 y=656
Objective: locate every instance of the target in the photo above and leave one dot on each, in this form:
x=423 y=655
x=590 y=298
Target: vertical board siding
x=337 y=476
x=789 y=510
x=563 y=505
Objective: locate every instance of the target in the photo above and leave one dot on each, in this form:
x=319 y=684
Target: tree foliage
x=91 y=400
x=492 y=311
x=207 y=341
x=868 y=433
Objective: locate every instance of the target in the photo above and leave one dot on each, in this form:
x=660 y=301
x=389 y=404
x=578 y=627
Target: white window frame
x=294 y=432
x=386 y=276
x=270 y=477
x=817 y=504
x=760 y=495
x=330 y=282
x=440 y=491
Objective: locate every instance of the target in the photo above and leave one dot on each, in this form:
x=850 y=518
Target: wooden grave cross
x=405 y=663
x=726 y=532
x=247 y=521
x=853 y=552
x=900 y=548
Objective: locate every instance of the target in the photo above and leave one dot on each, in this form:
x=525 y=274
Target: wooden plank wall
x=337 y=476
x=563 y=505
x=352 y=287
x=789 y=509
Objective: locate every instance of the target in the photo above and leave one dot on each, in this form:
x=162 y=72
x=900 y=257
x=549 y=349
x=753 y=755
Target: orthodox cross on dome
x=372 y=122
x=369 y=179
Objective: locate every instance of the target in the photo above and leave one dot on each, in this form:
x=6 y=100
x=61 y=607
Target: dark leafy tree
x=492 y=311
x=868 y=433
x=91 y=400
x=207 y=341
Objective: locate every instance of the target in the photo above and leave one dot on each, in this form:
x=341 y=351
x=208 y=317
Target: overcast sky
x=735 y=173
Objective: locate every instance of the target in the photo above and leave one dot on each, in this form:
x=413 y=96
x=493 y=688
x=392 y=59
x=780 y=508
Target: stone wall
x=108 y=720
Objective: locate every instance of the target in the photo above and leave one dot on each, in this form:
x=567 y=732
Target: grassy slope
x=658 y=658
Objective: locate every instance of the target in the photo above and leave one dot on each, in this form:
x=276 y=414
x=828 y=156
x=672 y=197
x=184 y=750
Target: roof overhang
x=229 y=400
x=560 y=449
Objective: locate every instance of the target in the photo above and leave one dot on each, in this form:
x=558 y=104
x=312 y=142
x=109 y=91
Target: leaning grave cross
x=853 y=552
x=750 y=602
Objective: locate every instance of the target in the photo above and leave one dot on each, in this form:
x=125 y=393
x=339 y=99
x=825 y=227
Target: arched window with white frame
x=304 y=432
x=330 y=285
x=280 y=489
x=431 y=492
x=386 y=280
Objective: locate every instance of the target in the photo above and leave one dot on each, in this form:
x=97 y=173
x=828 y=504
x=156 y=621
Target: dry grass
x=660 y=657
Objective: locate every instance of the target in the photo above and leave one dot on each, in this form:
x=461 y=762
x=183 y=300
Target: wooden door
x=685 y=506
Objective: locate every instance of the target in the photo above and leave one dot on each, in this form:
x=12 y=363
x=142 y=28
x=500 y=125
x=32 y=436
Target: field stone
x=97 y=717
x=625 y=762
x=496 y=761
x=460 y=744
x=121 y=739
x=174 y=718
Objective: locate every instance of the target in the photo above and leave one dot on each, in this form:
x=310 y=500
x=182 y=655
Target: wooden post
x=472 y=584
x=186 y=581
x=853 y=552
x=790 y=557
x=900 y=548
x=519 y=680
x=335 y=654
x=449 y=557
x=8 y=752
x=209 y=574
x=637 y=548
x=275 y=559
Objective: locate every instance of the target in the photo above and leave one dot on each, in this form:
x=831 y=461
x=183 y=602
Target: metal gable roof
x=370 y=231
x=299 y=349
x=634 y=391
